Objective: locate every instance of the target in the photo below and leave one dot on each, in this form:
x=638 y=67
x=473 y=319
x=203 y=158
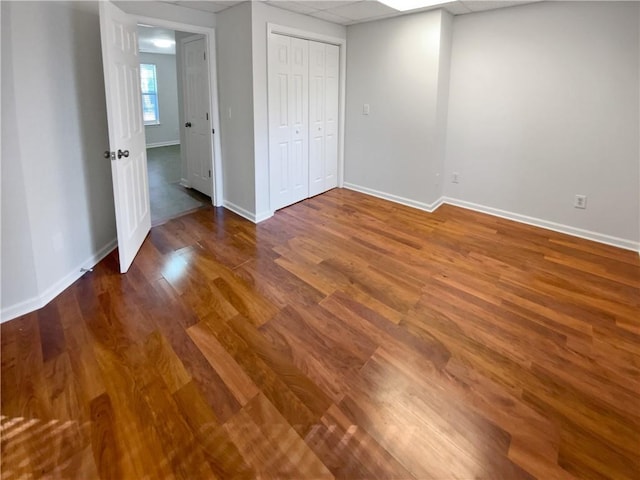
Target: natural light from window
x=149 y=86
x=406 y=5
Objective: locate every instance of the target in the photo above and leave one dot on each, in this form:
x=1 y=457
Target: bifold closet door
x=288 y=120
x=323 y=117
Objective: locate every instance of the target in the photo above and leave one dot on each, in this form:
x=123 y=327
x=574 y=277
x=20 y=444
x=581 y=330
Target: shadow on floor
x=168 y=198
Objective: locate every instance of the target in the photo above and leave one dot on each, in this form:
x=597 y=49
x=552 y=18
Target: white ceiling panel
x=331 y=17
x=363 y=10
x=482 y=5
x=349 y=12
x=325 y=4
x=455 y=8
x=203 y=6
x=298 y=7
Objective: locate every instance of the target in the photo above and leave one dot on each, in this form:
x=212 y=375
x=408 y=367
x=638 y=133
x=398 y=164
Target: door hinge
x=213 y=130
x=209 y=173
x=205 y=55
x=207 y=115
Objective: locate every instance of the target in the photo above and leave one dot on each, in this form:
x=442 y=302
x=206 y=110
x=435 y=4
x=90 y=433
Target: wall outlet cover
x=580 y=201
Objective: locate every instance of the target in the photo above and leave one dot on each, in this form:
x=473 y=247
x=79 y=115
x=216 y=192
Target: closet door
x=332 y=76
x=323 y=117
x=288 y=120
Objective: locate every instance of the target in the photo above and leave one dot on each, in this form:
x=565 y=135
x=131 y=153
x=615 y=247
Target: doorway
x=175 y=107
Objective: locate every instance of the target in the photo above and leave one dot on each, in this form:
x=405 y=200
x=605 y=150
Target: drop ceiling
x=350 y=12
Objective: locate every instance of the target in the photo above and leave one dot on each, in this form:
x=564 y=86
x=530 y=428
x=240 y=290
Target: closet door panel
x=288 y=120
x=279 y=120
x=316 y=117
x=299 y=105
x=332 y=69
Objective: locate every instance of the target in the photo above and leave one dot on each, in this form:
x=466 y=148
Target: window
x=149 y=85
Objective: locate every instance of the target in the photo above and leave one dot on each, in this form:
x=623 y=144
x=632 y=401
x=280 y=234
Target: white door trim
x=210 y=44
x=342 y=44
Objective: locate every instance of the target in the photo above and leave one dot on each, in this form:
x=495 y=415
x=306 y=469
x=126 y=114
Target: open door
x=127 y=149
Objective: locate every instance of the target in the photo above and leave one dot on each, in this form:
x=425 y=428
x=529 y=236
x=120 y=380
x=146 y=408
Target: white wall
x=261 y=15
x=235 y=94
x=57 y=200
x=399 y=68
x=18 y=280
x=543 y=106
x=168 y=131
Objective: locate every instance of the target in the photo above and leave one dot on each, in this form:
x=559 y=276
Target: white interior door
x=316 y=117
x=323 y=115
x=197 y=116
x=126 y=130
x=332 y=112
x=288 y=120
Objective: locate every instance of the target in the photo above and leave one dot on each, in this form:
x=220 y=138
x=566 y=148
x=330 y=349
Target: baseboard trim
x=39 y=301
x=185 y=183
x=538 y=222
x=427 y=207
x=261 y=217
x=516 y=217
x=163 y=144
x=239 y=210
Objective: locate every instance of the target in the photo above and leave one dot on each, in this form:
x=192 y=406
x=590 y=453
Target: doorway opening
x=178 y=126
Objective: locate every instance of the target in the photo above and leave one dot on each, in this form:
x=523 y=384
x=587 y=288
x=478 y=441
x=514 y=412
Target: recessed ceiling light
x=405 y=5
x=162 y=43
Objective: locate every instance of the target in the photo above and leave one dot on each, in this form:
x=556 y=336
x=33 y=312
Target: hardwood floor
x=347 y=337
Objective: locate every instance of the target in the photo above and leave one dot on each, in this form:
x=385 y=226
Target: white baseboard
x=427 y=207
x=252 y=217
x=262 y=216
x=163 y=144
x=185 y=183
x=538 y=222
x=39 y=301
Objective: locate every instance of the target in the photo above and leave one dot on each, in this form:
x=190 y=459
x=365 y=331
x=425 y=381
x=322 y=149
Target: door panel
x=317 y=117
x=124 y=113
x=197 y=115
x=323 y=112
x=288 y=120
x=332 y=79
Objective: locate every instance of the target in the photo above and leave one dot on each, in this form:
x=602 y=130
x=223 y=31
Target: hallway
x=168 y=198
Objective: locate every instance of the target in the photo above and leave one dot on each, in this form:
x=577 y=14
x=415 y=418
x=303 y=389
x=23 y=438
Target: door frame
x=210 y=46
x=341 y=43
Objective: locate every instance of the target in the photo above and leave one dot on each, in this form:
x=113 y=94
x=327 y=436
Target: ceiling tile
x=325 y=4
x=363 y=10
x=455 y=8
x=330 y=17
x=482 y=5
x=298 y=7
x=214 y=7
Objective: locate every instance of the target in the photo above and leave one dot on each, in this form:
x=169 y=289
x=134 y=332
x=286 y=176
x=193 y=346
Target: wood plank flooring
x=347 y=337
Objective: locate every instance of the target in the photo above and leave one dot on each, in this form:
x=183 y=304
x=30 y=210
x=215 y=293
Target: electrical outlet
x=455 y=177
x=366 y=109
x=580 y=201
